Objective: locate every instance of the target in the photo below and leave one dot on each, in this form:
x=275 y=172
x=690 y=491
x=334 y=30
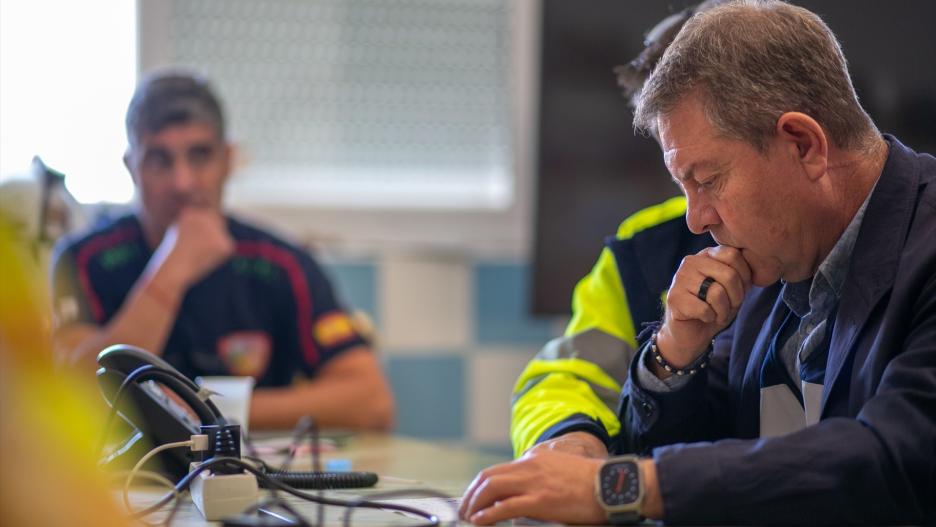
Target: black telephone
x=128 y=377
x=154 y=417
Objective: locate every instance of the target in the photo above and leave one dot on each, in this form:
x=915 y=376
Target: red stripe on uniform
x=89 y=250
x=288 y=262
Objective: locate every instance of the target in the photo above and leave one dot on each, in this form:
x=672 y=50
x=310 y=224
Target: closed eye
x=711 y=182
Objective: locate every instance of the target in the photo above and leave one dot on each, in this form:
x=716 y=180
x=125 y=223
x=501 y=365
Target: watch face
x=620 y=484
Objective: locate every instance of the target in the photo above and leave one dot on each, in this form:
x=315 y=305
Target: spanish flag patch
x=333 y=328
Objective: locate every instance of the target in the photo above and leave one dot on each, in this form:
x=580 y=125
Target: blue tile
x=356 y=286
x=430 y=396
x=502 y=313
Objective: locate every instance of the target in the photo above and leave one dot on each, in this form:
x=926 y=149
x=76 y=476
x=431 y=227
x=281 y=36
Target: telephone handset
x=128 y=378
x=155 y=418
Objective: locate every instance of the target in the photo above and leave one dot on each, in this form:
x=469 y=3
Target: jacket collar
x=876 y=254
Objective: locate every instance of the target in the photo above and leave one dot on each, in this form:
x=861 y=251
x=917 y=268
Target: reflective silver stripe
x=526 y=388
x=608 y=352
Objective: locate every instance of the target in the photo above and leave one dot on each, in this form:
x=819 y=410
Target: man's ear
x=231 y=157
x=236 y=158
x=806 y=140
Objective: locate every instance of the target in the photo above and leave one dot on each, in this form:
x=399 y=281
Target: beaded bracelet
x=692 y=369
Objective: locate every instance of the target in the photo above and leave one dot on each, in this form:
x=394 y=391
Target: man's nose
x=700 y=215
x=183 y=176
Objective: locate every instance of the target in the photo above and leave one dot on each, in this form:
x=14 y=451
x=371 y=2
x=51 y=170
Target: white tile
x=491 y=376
x=424 y=303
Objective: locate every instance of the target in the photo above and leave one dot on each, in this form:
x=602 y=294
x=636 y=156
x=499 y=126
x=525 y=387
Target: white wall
x=426 y=264
x=490 y=233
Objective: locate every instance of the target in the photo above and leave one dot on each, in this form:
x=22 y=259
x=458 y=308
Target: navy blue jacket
x=872 y=456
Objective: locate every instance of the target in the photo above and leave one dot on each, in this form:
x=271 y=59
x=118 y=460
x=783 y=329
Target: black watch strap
x=624 y=518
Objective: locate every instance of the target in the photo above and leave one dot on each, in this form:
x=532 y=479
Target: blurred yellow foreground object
x=50 y=419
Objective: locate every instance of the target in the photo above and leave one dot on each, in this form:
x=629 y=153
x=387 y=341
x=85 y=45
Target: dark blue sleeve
x=700 y=410
x=69 y=301
x=576 y=423
x=334 y=329
x=876 y=468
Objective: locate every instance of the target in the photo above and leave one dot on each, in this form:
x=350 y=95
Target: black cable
x=272 y=518
x=115 y=403
x=145 y=373
x=273 y=479
x=314 y=444
x=303 y=427
x=274 y=500
x=186 y=482
x=324 y=480
x=176 y=494
x=327 y=480
x=346 y=520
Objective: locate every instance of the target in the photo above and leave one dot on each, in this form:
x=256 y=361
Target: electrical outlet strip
x=220 y=496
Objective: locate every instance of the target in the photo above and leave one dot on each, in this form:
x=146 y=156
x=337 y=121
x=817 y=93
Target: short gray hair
x=752 y=61
x=170 y=97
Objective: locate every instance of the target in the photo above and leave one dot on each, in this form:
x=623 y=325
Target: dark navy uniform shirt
x=268 y=311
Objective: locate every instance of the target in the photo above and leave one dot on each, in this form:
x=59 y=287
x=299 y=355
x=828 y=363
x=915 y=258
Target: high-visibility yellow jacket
x=575 y=381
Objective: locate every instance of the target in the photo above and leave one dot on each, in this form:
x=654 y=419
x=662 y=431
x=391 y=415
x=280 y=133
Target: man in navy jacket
x=793 y=376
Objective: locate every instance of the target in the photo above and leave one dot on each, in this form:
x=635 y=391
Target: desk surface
x=401 y=463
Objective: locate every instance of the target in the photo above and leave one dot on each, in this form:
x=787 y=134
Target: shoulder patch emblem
x=333 y=328
x=245 y=353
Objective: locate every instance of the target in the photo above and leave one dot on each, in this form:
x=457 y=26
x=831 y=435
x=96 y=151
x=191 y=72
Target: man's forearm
x=578 y=442
x=356 y=397
x=145 y=320
x=195 y=245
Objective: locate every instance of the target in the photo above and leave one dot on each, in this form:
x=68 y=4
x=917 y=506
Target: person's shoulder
x=902 y=158
x=653 y=218
x=659 y=230
x=920 y=166
x=927 y=164
x=103 y=232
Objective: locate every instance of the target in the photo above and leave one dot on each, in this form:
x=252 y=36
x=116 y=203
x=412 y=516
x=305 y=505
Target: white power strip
x=220 y=496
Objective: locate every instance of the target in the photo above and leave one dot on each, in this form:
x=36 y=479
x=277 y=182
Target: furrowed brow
x=689 y=173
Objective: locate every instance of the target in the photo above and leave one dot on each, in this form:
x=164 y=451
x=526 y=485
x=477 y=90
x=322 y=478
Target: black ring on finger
x=703 y=288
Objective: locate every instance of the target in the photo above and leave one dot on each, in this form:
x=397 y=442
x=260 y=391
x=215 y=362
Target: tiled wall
x=454 y=334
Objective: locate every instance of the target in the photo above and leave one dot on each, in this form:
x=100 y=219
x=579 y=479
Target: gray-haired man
x=819 y=406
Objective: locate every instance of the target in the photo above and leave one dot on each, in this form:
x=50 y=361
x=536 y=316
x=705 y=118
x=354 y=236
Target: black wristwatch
x=620 y=489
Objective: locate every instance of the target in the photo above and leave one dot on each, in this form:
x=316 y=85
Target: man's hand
x=194 y=245
x=546 y=485
x=575 y=443
x=690 y=323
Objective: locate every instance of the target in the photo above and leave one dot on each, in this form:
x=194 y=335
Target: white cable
x=157 y=477
x=142 y=461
